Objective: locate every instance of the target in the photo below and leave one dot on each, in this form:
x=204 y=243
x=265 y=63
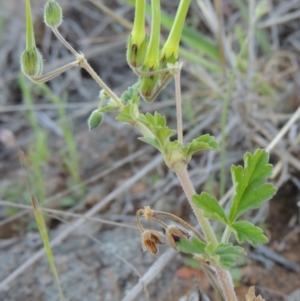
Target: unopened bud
x=32 y=62
x=136 y=51
x=150 y=239
x=174 y=233
x=95 y=119
x=52 y=14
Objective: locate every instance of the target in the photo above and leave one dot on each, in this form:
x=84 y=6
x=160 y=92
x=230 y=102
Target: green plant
x=154 y=70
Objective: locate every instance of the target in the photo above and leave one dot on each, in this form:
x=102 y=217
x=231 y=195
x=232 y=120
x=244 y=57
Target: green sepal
x=52 y=14
x=244 y=230
x=136 y=52
x=191 y=246
x=210 y=206
x=32 y=62
x=205 y=142
x=249 y=190
x=148 y=85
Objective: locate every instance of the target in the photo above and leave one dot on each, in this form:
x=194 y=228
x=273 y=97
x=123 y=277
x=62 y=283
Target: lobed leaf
x=249 y=190
x=128 y=114
x=153 y=121
x=244 y=230
x=228 y=254
x=205 y=142
x=210 y=206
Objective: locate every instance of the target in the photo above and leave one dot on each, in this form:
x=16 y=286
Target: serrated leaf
x=153 y=121
x=194 y=245
x=131 y=95
x=163 y=136
x=210 y=207
x=228 y=254
x=249 y=190
x=128 y=114
x=205 y=142
x=244 y=230
x=151 y=141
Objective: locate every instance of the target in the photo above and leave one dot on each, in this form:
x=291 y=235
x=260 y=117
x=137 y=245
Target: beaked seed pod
x=32 y=62
x=174 y=233
x=52 y=14
x=95 y=119
x=136 y=51
x=148 y=84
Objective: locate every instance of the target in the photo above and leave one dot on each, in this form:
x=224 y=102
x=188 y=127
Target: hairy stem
x=85 y=65
x=178 y=105
x=223 y=275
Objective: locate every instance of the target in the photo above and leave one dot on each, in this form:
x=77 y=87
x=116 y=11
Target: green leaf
x=228 y=254
x=163 y=136
x=151 y=141
x=153 y=121
x=194 y=245
x=210 y=207
x=129 y=114
x=131 y=95
x=205 y=142
x=244 y=230
x=249 y=190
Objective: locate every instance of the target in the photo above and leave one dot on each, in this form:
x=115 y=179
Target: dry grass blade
x=44 y=235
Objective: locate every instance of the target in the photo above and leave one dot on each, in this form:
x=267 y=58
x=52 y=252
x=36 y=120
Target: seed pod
x=150 y=239
x=136 y=51
x=174 y=233
x=52 y=14
x=95 y=119
x=148 y=84
x=32 y=62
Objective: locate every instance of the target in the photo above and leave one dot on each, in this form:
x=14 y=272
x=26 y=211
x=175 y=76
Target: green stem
x=30 y=40
x=190 y=191
x=138 y=31
x=223 y=275
x=152 y=55
x=226 y=235
x=172 y=43
x=85 y=65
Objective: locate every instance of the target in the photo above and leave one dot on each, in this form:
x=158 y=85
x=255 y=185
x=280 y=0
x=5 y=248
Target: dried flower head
x=147 y=212
x=174 y=234
x=150 y=239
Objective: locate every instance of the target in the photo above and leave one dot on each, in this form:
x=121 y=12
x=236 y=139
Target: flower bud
x=174 y=233
x=52 y=14
x=150 y=239
x=95 y=119
x=136 y=51
x=32 y=62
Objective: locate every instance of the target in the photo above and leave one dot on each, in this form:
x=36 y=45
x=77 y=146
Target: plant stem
x=178 y=105
x=225 y=281
x=85 y=65
x=63 y=40
x=223 y=275
x=226 y=235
